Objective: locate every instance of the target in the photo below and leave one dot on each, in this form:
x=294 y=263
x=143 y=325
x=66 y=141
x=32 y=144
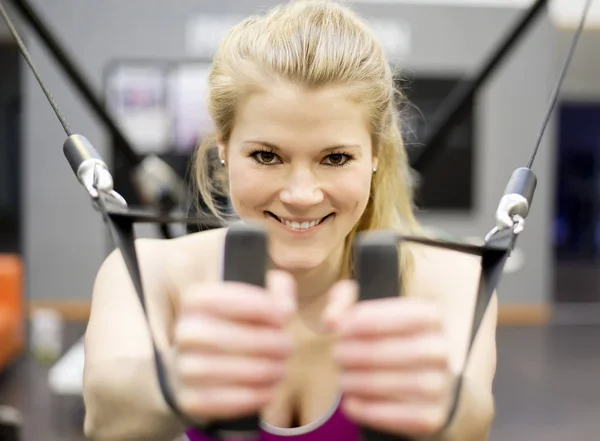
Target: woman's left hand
x=394 y=362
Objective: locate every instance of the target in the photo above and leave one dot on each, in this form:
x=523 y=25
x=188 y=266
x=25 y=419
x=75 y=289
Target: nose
x=302 y=190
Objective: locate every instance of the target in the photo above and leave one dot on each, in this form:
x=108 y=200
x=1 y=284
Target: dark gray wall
x=65 y=240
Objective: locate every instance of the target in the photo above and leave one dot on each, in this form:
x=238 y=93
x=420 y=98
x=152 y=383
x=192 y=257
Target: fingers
x=217 y=369
x=407 y=385
x=242 y=303
x=390 y=316
x=426 y=351
x=282 y=289
x=231 y=346
x=211 y=334
x=394 y=365
x=342 y=296
x=416 y=420
x=225 y=402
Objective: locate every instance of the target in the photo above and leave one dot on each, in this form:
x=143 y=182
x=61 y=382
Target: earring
x=222 y=162
x=374 y=169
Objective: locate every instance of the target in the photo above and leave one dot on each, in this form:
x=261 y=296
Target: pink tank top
x=331 y=426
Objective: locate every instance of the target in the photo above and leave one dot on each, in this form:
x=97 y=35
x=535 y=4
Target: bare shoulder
x=451 y=278
x=166 y=268
x=169 y=259
x=444 y=273
x=196 y=257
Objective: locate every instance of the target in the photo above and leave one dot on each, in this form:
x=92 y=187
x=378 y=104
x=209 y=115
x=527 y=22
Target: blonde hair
x=315 y=44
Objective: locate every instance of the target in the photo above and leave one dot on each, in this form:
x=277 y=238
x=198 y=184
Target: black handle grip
x=245 y=257
x=77 y=149
x=377 y=265
x=245 y=260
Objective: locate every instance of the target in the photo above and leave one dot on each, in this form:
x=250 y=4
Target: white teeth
x=301 y=226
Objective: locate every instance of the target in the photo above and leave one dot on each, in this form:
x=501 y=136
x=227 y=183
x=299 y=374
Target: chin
x=295 y=259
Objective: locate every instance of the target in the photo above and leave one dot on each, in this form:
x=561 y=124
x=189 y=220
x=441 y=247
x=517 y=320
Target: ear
x=222 y=149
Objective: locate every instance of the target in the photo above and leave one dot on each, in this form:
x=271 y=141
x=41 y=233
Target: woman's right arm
x=122 y=398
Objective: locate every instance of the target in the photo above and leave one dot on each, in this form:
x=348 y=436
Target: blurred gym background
x=145 y=61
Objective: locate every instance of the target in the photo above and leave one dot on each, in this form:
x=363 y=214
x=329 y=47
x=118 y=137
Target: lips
x=299 y=224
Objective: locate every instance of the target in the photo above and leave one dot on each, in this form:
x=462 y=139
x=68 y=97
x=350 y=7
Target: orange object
x=12 y=319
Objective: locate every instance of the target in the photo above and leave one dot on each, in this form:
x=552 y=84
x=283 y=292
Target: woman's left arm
x=456 y=281
x=475 y=409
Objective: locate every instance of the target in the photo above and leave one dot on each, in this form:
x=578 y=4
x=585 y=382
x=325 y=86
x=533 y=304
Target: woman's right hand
x=231 y=346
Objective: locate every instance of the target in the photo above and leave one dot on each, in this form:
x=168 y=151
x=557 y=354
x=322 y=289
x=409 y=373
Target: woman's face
x=301 y=162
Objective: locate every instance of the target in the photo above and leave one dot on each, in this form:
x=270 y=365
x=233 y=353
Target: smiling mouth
x=305 y=225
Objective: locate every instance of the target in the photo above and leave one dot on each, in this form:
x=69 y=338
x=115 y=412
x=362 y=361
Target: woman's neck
x=312 y=287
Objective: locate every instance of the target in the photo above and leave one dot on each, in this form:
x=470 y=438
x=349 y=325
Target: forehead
x=291 y=115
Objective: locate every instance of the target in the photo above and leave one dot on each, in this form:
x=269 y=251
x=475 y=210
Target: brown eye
x=337 y=159
x=264 y=157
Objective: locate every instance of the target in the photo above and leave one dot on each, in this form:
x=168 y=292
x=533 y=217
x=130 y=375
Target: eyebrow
x=326 y=149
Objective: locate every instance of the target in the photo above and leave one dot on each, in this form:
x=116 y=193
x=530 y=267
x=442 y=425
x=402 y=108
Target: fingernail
x=333 y=310
x=328 y=326
x=331 y=319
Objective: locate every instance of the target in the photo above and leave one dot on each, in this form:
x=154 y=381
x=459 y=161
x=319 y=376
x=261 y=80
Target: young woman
x=309 y=144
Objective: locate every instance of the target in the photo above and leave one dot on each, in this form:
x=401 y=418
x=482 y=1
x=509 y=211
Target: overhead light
x=566 y=14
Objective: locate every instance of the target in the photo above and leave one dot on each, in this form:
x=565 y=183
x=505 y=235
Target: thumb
x=342 y=296
x=282 y=289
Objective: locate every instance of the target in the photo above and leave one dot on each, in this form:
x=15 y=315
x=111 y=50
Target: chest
x=310 y=388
